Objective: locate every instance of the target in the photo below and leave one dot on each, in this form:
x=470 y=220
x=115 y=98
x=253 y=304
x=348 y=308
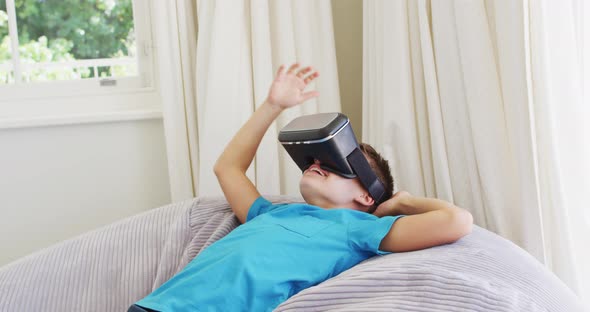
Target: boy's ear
x=364 y=199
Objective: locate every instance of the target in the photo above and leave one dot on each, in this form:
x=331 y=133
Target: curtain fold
x=466 y=98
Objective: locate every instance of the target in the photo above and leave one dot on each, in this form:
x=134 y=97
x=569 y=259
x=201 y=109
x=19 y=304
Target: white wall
x=57 y=182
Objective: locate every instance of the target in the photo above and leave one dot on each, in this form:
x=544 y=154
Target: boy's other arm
x=428 y=222
x=230 y=168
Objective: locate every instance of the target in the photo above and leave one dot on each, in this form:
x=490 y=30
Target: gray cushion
x=110 y=268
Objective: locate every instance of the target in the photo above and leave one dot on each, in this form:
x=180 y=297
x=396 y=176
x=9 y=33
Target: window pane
x=6 y=74
x=75 y=39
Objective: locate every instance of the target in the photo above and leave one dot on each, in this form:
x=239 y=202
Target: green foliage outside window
x=65 y=30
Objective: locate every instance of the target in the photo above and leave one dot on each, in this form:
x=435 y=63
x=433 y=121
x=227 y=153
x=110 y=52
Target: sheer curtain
x=562 y=116
x=473 y=102
x=223 y=57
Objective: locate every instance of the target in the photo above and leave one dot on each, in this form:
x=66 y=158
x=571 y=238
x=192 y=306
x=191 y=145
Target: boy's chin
x=308 y=192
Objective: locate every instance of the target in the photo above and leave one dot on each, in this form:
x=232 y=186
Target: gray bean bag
x=112 y=267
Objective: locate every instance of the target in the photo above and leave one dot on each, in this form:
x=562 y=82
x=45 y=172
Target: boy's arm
x=428 y=222
x=230 y=168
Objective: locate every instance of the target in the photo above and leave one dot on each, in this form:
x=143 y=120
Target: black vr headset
x=328 y=137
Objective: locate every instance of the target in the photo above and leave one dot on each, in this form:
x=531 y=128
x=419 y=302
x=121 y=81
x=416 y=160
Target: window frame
x=85 y=100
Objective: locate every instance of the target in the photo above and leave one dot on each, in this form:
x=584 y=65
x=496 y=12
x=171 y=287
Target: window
x=58 y=56
x=5 y=53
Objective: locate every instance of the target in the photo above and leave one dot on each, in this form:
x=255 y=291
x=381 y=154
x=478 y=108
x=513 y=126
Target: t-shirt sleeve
x=260 y=206
x=366 y=235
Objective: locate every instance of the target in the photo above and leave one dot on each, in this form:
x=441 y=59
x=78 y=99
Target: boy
x=282 y=249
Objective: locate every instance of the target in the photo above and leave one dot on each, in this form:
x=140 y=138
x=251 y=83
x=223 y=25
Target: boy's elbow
x=223 y=165
x=216 y=168
x=224 y=170
x=462 y=223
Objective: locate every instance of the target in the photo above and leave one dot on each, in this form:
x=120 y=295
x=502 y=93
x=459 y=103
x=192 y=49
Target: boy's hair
x=381 y=168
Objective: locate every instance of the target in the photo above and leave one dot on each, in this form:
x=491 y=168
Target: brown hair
x=381 y=168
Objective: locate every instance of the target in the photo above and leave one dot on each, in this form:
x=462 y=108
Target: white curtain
x=228 y=52
x=478 y=103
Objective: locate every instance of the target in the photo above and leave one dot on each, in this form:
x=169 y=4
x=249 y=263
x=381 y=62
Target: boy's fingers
x=304 y=71
x=309 y=95
x=281 y=69
x=311 y=77
x=292 y=68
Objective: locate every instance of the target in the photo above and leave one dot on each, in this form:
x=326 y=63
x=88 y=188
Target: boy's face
x=329 y=190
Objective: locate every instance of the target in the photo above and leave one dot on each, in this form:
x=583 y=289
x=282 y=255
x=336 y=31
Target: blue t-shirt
x=279 y=251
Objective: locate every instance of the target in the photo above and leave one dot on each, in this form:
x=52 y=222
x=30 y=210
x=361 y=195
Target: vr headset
x=329 y=138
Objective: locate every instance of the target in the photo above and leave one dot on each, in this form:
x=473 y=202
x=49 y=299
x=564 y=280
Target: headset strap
x=366 y=175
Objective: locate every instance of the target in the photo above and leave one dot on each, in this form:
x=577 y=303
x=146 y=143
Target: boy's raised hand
x=287 y=88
